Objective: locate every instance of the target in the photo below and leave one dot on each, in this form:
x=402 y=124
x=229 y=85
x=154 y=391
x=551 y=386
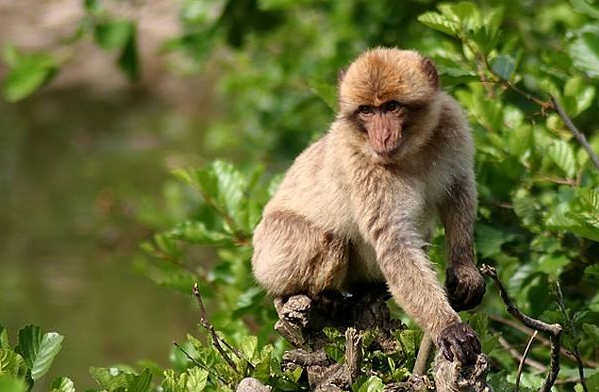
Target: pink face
x=384 y=125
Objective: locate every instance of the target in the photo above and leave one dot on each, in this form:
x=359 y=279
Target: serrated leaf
x=12 y=363
x=141 y=383
x=249 y=346
x=38 y=351
x=373 y=384
x=196 y=232
x=584 y=51
x=503 y=66
x=63 y=384
x=196 y=379
x=440 y=23
x=111 y=378
x=562 y=154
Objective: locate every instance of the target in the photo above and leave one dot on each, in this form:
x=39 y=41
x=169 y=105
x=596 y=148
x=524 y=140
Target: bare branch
x=217 y=341
x=554 y=331
x=516 y=354
x=544 y=341
x=524 y=355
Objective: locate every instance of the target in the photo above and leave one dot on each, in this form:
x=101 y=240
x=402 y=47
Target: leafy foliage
x=538 y=191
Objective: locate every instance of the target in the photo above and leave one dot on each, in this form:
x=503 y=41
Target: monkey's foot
x=455 y=377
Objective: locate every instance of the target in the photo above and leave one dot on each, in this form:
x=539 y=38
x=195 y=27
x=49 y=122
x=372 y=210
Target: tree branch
x=577 y=134
x=217 y=341
x=553 y=331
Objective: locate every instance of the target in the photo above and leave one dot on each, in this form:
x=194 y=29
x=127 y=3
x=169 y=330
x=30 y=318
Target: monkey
x=358 y=206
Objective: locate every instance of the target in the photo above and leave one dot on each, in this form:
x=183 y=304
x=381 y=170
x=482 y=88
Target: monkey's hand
x=465 y=286
x=459 y=341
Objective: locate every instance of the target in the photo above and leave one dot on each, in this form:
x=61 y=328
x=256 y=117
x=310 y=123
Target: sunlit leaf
x=12 y=363
x=562 y=154
x=29 y=73
x=584 y=51
x=63 y=384
x=440 y=23
x=196 y=379
x=111 y=378
x=38 y=350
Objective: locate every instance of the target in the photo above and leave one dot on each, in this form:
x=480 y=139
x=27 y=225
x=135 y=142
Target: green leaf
x=562 y=154
x=113 y=34
x=249 y=346
x=4 y=343
x=503 y=66
x=197 y=233
x=38 y=351
x=63 y=384
x=489 y=240
x=29 y=73
x=584 y=51
x=128 y=60
x=593 y=382
x=111 y=378
x=372 y=384
x=141 y=383
x=12 y=384
x=196 y=379
x=12 y=363
x=440 y=23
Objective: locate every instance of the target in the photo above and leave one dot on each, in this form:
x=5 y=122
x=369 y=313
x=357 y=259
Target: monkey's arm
x=412 y=280
x=465 y=285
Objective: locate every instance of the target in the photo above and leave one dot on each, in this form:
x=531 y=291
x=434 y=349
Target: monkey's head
x=388 y=96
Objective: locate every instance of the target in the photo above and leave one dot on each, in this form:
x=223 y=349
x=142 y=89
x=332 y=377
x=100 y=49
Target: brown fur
x=345 y=215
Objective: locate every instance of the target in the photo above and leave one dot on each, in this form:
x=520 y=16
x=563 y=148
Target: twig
x=577 y=134
x=516 y=354
x=216 y=340
x=524 y=355
x=572 y=327
x=544 y=341
x=552 y=330
x=424 y=352
x=199 y=364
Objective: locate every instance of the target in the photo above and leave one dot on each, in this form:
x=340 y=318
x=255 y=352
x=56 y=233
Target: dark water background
x=77 y=170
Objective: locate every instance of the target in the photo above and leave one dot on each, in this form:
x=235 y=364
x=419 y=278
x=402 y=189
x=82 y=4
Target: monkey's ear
x=341 y=75
x=431 y=72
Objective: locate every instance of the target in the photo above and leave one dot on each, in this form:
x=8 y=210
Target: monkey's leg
x=294 y=256
x=465 y=285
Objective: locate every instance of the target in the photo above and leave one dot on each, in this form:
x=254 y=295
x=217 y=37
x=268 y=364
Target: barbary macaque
x=358 y=206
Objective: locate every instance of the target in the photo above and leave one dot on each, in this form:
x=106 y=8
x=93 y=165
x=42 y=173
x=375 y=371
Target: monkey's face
x=388 y=95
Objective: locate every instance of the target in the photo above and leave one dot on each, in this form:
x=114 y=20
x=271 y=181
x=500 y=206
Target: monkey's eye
x=392 y=106
x=365 y=109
